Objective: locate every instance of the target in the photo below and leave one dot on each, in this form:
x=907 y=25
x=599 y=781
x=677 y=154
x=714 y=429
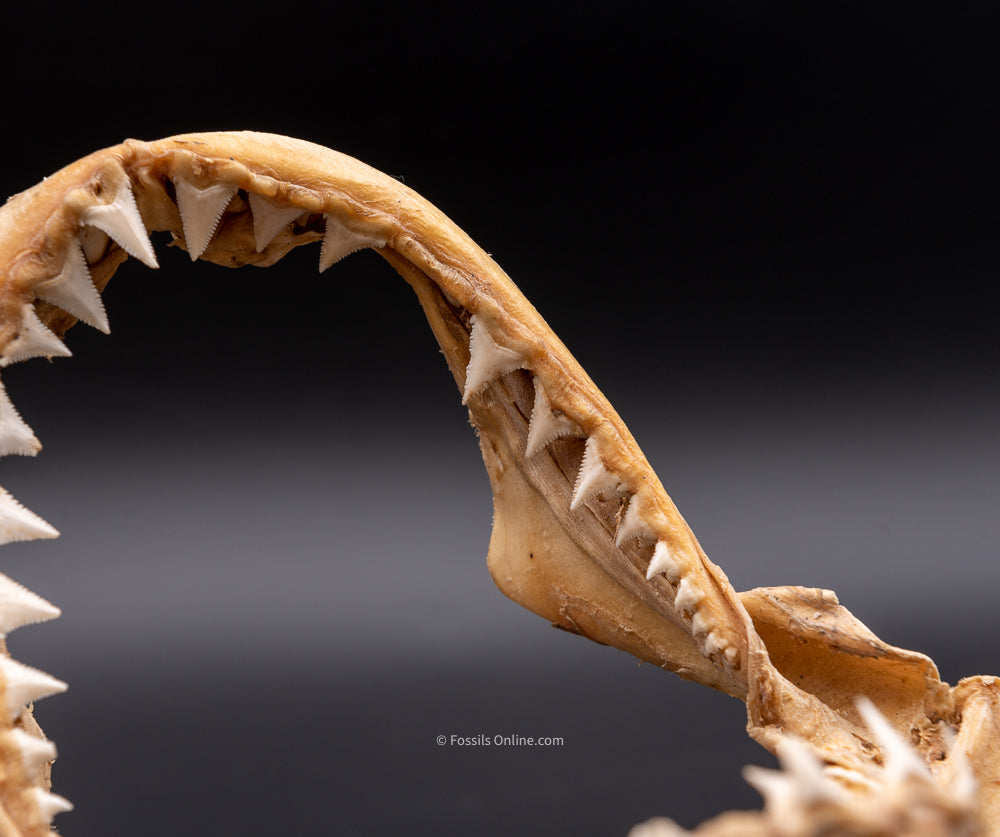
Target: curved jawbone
x=584 y=534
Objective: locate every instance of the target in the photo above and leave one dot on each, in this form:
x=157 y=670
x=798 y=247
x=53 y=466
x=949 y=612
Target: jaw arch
x=584 y=534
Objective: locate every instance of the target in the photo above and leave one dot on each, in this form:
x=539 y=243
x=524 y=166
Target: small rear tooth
x=19 y=524
x=19 y=606
x=688 y=595
x=74 y=291
x=545 y=426
x=49 y=804
x=35 y=752
x=121 y=220
x=593 y=476
x=663 y=562
x=633 y=526
x=339 y=241
x=701 y=623
x=715 y=642
x=201 y=210
x=15 y=435
x=33 y=340
x=269 y=219
x=24 y=685
x=487 y=360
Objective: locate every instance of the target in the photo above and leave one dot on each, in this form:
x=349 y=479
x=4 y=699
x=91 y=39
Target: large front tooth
x=201 y=210
x=33 y=340
x=34 y=751
x=19 y=606
x=121 y=220
x=487 y=360
x=19 y=524
x=339 y=241
x=593 y=476
x=633 y=526
x=24 y=685
x=49 y=804
x=15 y=435
x=74 y=291
x=269 y=219
x=546 y=425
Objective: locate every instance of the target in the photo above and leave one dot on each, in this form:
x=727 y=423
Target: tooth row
x=489 y=360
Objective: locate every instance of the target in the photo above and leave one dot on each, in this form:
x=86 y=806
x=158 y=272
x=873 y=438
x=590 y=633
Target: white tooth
x=269 y=219
x=15 y=435
x=715 y=642
x=201 y=210
x=338 y=241
x=19 y=606
x=688 y=595
x=663 y=562
x=121 y=220
x=24 y=684
x=899 y=758
x=487 y=360
x=49 y=804
x=701 y=623
x=633 y=526
x=19 y=524
x=35 y=752
x=593 y=477
x=74 y=291
x=33 y=340
x=546 y=425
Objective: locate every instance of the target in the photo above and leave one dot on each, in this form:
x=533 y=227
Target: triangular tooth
x=35 y=751
x=19 y=524
x=74 y=291
x=269 y=219
x=33 y=340
x=339 y=241
x=121 y=220
x=545 y=425
x=487 y=360
x=24 y=685
x=593 y=477
x=15 y=435
x=688 y=595
x=899 y=758
x=633 y=526
x=49 y=804
x=201 y=210
x=19 y=606
x=663 y=562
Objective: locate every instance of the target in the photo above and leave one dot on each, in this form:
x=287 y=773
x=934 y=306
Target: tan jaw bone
x=584 y=534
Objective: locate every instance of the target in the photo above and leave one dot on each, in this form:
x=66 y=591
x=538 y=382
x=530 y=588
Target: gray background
x=768 y=236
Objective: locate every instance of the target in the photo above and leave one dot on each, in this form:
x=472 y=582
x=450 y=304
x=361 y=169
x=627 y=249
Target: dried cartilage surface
x=584 y=534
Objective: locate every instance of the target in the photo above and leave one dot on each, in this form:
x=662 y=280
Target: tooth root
x=19 y=524
x=120 y=219
x=663 y=562
x=688 y=595
x=593 y=476
x=19 y=606
x=35 y=752
x=201 y=210
x=546 y=425
x=15 y=435
x=487 y=360
x=339 y=241
x=24 y=685
x=633 y=526
x=33 y=340
x=900 y=759
x=49 y=804
x=269 y=219
x=74 y=291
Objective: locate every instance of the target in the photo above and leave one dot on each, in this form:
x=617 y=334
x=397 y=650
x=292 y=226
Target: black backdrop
x=767 y=233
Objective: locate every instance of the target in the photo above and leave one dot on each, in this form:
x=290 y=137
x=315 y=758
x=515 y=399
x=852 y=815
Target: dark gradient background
x=769 y=236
